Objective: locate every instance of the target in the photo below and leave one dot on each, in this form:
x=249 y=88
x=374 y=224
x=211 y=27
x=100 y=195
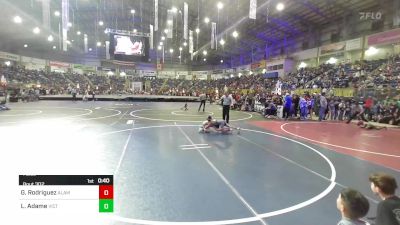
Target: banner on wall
x=59 y=64
x=354 y=44
x=9 y=56
x=155 y=15
x=185 y=20
x=84 y=68
x=253 y=9
x=332 y=48
x=387 y=37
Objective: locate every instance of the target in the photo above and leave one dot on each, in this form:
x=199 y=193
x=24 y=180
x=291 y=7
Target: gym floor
x=273 y=172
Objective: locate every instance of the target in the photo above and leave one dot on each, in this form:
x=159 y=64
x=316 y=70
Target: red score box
x=106 y=192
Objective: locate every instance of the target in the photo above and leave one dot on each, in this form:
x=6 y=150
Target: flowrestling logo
x=370 y=15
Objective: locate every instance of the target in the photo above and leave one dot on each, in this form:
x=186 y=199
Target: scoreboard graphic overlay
x=69 y=193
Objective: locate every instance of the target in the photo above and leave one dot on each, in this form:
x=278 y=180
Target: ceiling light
x=169 y=22
x=78 y=33
x=90 y=49
x=222 y=42
x=204 y=52
x=197 y=30
x=174 y=9
x=166 y=31
x=36 y=30
x=57 y=13
x=54 y=47
x=184 y=44
x=220 y=5
x=133 y=11
x=98 y=44
x=171 y=50
x=17 y=19
x=50 y=38
x=134 y=30
x=8 y=63
x=280 y=6
x=69 y=24
x=235 y=34
x=204 y=59
x=206 y=20
x=180 y=48
x=25 y=45
x=222 y=61
x=68 y=42
x=371 y=51
x=106 y=31
x=101 y=23
x=302 y=65
x=159 y=47
x=163 y=38
x=161 y=43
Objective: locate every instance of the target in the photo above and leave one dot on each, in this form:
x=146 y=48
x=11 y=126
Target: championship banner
x=170 y=23
x=107 y=49
x=46 y=13
x=191 y=42
x=155 y=15
x=332 y=48
x=185 y=20
x=65 y=20
x=85 y=43
x=387 y=37
x=253 y=9
x=213 y=35
x=151 y=36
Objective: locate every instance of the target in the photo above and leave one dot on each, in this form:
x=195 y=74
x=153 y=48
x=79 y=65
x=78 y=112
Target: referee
x=226 y=105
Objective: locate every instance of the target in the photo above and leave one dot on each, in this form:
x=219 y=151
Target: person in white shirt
x=226 y=104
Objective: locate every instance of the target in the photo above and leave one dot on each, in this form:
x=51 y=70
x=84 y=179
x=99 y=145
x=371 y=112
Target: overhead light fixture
x=180 y=48
x=72 y=40
x=174 y=9
x=159 y=47
x=101 y=23
x=162 y=38
x=78 y=33
x=235 y=34
x=332 y=60
x=220 y=5
x=171 y=50
x=134 y=30
x=371 y=51
x=184 y=43
x=280 y=6
x=36 y=30
x=54 y=47
x=17 y=19
x=8 y=63
x=122 y=74
x=302 y=65
x=179 y=57
x=69 y=24
x=222 y=42
x=161 y=43
x=25 y=45
x=98 y=44
x=90 y=49
x=206 y=20
x=169 y=22
x=57 y=13
x=197 y=30
x=133 y=11
x=204 y=59
x=204 y=52
x=106 y=31
x=222 y=61
x=50 y=38
x=166 y=31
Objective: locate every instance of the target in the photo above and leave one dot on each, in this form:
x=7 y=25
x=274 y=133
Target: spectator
x=353 y=206
x=323 y=106
x=388 y=211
